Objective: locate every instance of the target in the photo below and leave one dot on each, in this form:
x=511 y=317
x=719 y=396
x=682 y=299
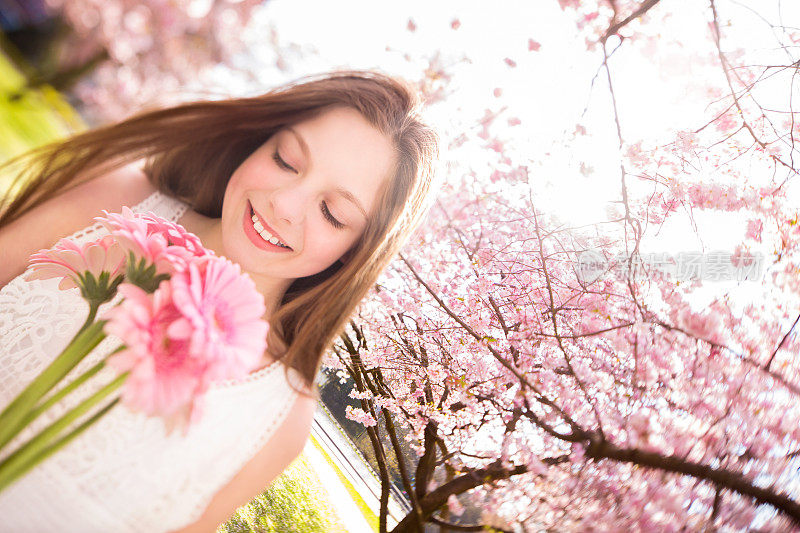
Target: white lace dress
x=123 y=473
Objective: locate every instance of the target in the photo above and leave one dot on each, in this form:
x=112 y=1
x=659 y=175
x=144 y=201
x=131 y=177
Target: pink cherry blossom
x=360 y=416
x=754 y=228
x=454 y=506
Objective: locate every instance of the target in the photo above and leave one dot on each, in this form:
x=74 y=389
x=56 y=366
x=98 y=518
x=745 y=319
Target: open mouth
x=259 y=234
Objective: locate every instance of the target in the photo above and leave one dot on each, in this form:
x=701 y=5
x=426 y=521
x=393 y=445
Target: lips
x=267 y=227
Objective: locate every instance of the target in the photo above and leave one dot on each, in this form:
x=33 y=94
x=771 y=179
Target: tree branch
x=643 y=8
x=600 y=449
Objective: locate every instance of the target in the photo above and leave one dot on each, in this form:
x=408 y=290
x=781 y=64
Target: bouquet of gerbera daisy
x=188 y=318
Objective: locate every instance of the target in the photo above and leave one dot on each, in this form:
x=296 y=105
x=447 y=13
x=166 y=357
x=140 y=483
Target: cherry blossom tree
x=567 y=377
x=147 y=53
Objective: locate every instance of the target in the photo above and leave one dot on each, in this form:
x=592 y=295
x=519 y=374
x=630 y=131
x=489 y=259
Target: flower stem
x=52 y=400
x=89 y=319
x=55 y=398
x=60 y=443
x=42 y=445
x=13 y=416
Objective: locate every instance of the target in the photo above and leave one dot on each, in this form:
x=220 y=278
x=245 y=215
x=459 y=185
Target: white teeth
x=267 y=236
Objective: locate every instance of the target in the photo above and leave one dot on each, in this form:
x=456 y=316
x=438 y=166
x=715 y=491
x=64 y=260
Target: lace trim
x=253 y=376
x=179 y=211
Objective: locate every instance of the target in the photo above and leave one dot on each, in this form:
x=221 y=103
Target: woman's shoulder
x=127 y=185
x=76 y=207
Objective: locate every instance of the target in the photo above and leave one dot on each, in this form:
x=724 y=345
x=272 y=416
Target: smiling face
x=311 y=187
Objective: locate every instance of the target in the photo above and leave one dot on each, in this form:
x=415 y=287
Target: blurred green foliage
x=294 y=503
x=372 y=518
x=31 y=118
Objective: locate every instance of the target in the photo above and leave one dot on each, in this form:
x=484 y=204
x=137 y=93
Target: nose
x=291 y=202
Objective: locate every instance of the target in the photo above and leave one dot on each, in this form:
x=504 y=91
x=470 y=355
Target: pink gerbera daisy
x=202 y=325
x=222 y=316
x=131 y=232
x=175 y=234
x=164 y=379
x=158 y=241
x=74 y=263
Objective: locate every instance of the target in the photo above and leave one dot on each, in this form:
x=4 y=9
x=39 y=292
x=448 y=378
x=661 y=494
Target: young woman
x=310 y=188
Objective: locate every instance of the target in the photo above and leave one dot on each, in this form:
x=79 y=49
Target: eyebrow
x=347 y=195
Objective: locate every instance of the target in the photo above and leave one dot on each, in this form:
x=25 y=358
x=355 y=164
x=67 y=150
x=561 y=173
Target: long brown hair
x=192 y=150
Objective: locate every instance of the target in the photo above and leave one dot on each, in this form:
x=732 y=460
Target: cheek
x=326 y=245
x=233 y=193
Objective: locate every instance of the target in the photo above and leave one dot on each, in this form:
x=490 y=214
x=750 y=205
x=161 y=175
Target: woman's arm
x=67 y=213
x=278 y=453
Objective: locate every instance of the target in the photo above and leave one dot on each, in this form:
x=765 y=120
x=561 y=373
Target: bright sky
x=548 y=89
x=658 y=92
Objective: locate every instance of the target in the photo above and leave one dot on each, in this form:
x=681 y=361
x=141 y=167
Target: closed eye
x=281 y=163
x=325 y=211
